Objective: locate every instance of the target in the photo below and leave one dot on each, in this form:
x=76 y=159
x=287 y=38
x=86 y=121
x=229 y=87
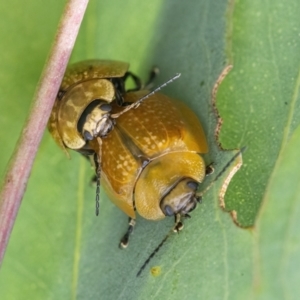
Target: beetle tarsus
x=178 y=227
x=209 y=169
x=125 y=239
x=152 y=76
x=222 y=171
x=178 y=224
x=199 y=199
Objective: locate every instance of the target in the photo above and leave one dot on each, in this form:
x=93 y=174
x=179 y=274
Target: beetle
x=147 y=153
x=87 y=89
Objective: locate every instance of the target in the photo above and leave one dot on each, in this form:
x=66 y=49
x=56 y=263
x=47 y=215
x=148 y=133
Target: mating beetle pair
x=148 y=154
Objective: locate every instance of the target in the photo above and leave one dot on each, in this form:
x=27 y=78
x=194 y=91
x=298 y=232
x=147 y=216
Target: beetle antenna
x=98 y=192
x=98 y=159
x=224 y=169
x=178 y=225
x=174 y=229
x=137 y=103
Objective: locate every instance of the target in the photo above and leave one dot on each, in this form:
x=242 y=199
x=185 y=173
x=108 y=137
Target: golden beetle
x=148 y=155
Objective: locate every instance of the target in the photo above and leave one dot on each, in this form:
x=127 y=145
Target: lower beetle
x=148 y=154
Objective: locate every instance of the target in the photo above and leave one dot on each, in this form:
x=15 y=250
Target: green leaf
x=259 y=100
x=277 y=242
x=60 y=250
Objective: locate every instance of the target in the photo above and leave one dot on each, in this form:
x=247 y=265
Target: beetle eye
x=105 y=107
x=192 y=185
x=168 y=210
x=87 y=136
x=180 y=198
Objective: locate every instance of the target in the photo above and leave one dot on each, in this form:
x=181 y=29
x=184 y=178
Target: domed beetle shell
x=151 y=149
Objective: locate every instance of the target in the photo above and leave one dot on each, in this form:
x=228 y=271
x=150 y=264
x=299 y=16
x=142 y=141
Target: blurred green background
x=59 y=250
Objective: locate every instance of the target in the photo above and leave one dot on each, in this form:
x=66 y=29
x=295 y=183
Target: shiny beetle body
x=150 y=156
x=151 y=149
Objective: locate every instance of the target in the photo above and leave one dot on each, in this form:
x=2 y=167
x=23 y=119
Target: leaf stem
x=21 y=161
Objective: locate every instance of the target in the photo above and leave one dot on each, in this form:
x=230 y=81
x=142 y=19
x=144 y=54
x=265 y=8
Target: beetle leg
x=119 y=98
x=178 y=224
x=125 y=239
x=136 y=79
x=199 y=199
x=138 y=102
x=120 y=88
x=152 y=76
x=209 y=169
x=149 y=84
x=222 y=171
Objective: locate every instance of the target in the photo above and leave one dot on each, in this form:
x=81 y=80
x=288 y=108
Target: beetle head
x=95 y=120
x=181 y=198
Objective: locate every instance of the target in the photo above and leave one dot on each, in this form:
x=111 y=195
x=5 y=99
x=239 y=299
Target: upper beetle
x=147 y=153
x=81 y=109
